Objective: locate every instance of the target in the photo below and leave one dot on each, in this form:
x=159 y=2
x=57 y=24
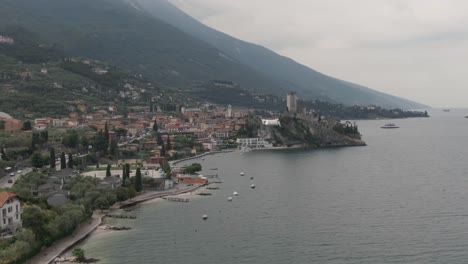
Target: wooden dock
x=177 y=199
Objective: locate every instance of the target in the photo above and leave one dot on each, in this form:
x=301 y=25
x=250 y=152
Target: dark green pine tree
x=155 y=126
x=127 y=172
x=108 y=170
x=163 y=151
x=159 y=139
x=114 y=149
x=124 y=174
x=63 y=161
x=70 y=161
x=106 y=136
x=138 y=180
x=168 y=143
x=52 y=158
x=35 y=140
x=27 y=126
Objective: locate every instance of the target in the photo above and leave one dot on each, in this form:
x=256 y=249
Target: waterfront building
x=291 y=101
x=10 y=214
x=252 y=143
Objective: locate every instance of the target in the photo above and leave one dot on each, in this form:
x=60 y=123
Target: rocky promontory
x=294 y=131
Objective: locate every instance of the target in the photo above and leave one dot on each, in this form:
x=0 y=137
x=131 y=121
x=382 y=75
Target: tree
x=163 y=151
x=108 y=170
x=79 y=254
x=34 y=140
x=168 y=143
x=27 y=126
x=114 y=149
x=35 y=219
x=71 y=139
x=44 y=136
x=100 y=142
x=159 y=139
x=37 y=161
x=63 y=161
x=165 y=166
x=123 y=174
x=155 y=125
x=52 y=158
x=195 y=167
x=70 y=161
x=4 y=155
x=127 y=173
x=106 y=136
x=138 y=180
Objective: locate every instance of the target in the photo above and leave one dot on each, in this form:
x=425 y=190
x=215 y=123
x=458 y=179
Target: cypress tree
x=168 y=143
x=163 y=151
x=63 y=162
x=108 y=170
x=159 y=139
x=106 y=136
x=70 y=161
x=52 y=158
x=138 y=180
x=124 y=174
x=114 y=149
x=127 y=168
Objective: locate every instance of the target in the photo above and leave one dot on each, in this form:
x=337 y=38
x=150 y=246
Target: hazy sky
x=417 y=49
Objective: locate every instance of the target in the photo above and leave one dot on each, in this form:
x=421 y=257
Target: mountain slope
x=290 y=74
x=122 y=35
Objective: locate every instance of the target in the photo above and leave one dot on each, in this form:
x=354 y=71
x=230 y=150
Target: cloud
x=410 y=48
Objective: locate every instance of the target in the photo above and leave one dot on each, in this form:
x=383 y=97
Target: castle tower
x=229 y=111
x=291 y=101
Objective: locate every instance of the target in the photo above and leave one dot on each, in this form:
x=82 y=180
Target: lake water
x=401 y=199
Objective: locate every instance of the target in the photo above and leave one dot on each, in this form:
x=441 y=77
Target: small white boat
x=252 y=186
x=205 y=217
x=230 y=199
x=235 y=193
x=389 y=126
x=242 y=174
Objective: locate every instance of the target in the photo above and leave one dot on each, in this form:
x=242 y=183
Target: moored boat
x=389 y=126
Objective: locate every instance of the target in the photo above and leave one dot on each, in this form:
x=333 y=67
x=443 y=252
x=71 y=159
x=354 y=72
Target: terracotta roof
x=4 y=196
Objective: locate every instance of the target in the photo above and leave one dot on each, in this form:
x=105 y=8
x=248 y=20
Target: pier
x=177 y=199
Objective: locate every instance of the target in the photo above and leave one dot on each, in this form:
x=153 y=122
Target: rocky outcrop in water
x=299 y=132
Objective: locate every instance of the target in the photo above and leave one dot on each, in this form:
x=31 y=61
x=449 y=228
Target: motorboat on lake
x=389 y=126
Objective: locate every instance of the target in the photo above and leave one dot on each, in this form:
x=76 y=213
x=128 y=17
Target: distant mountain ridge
x=285 y=71
x=174 y=50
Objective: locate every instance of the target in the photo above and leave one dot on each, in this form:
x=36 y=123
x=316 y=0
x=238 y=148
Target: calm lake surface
x=401 y=199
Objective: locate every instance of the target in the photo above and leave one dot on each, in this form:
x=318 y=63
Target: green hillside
x=291 y=75
x=39 y=80
x=114 y=32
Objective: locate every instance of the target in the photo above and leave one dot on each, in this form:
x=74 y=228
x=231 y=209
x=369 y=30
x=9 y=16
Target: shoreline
x=81 y=233
x=60 y=247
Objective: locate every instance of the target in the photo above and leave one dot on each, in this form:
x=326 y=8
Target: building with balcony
x=10 y=214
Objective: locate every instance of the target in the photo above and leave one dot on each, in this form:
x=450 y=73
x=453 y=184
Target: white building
x=292 y=102
x=10 y=214
x=252 y=143
x=271 y=122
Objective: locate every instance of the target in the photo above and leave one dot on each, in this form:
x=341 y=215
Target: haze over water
x=401 y=199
